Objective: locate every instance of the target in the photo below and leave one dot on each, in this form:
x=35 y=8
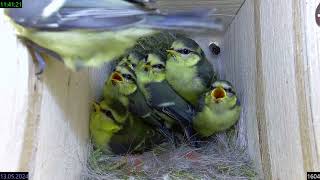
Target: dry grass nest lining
x=218 y=158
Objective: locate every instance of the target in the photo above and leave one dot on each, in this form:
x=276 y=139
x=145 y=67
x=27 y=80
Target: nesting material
x=218 y=158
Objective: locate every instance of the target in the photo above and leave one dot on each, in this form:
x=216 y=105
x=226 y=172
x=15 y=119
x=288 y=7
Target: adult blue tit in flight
x=91 y=32
x=218 y=110
x=188 y=70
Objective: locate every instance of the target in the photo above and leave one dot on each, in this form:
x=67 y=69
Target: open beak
x=218 y=94
x=116 y=78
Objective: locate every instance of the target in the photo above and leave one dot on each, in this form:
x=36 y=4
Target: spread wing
x=59 y=15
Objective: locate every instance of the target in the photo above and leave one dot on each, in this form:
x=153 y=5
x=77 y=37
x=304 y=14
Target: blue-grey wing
x=206 y=72
x=57 y=15
x=165 y=99
x=139 y=107
x=68 y=14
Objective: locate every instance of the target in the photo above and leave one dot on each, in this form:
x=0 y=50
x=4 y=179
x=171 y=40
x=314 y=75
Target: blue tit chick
x=151 y=79
x=188 y=70
x=123 y=96
x=131 y=136
x=84 y=33
x=120 y=84
x=131 y=60
x=218 y=110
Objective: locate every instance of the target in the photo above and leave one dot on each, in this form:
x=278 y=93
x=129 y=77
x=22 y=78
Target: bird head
x=123 y=79
x=185 y=51
x=222 y=93
x=132 y=60
x=102 y=125
x=151 y=69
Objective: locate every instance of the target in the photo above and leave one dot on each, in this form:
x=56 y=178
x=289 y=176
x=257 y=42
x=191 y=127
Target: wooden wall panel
x=284 y=73
x=18 y=101
x=307 y=34
x=238 y=65
x=62 y=135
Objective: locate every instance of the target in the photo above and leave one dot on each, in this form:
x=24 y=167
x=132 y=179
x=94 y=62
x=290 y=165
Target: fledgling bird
x=131 y=60
x=218 y=110
x=91 y=32
x=123 y=96
x=151 y=79
x=130 y=136
x=188 y=70
x=117 y=88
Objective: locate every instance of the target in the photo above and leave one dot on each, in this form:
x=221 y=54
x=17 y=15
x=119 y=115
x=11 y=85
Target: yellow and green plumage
x=82 y=48
x=151 y=79
x=123 y=96
x=123 y=132
x=218 y=110
x=89 y=33
x=120 y=85
x=188 y=71
x=130 y=136
x=101 y=127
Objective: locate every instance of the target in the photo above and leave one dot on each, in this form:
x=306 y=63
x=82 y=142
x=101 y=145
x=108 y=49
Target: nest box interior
x=44 y=120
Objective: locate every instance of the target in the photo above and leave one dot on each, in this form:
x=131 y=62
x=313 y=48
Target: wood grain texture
x=260 y=96
x=238 y=65
x=286 y=74
x=280 y=100
x=285 y=128
x=17 y=101
x=308 y=77
x=62 y=135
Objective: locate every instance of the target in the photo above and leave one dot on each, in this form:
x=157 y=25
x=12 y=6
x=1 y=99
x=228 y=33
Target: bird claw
x=41 y=63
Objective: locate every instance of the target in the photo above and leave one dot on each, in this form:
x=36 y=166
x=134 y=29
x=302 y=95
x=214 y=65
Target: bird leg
x=41 y=63
x=37 y=53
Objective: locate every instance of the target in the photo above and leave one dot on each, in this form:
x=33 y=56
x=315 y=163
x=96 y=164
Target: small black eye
x=133 y=65
x=159 y=66
x=184 y=51
x=107 y=113
x=113 y=69
x=128 y=76
x=229 y=90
